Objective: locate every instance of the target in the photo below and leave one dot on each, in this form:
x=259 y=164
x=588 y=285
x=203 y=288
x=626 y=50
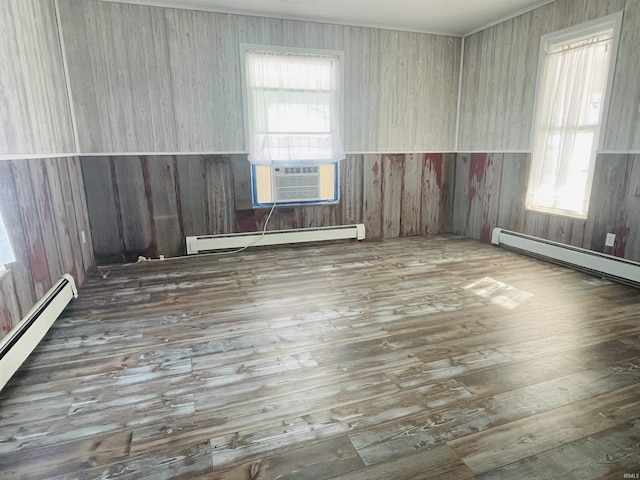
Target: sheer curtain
x=572 y=87
x=293 y=107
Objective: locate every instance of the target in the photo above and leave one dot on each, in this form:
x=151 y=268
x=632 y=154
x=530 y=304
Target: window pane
x=296 y=112
x=294 y=106
x=572 y=83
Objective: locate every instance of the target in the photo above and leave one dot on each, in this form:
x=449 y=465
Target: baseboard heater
x=18 y=344
x=273 y=237
x=600 y=264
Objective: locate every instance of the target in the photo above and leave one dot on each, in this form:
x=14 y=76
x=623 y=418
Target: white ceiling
x=451 y=17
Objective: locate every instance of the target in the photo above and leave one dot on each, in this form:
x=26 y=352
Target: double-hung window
x=293 y=116
x=575 y=71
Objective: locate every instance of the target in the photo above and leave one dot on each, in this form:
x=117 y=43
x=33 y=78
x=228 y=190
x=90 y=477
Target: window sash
x=286 y=90
x=572 y=84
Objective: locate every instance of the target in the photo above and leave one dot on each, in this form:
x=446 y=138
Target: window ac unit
x=296 y=184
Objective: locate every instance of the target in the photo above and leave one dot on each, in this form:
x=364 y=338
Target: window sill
x=557 y=212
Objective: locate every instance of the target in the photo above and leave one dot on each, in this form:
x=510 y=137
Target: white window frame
x=613 y=21
x=339 y=55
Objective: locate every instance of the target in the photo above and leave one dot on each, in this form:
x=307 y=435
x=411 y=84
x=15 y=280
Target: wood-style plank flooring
x=435 y=357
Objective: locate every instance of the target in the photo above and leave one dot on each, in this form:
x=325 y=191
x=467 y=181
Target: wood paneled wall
x=500 y=70
x=490 y=192
x=34 y=110
x=147 y=205
x=43 y=205
x=150 y=79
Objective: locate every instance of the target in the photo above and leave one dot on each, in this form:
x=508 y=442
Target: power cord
x=141 y=259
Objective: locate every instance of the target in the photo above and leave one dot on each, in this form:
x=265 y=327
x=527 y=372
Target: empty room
x=303 y=239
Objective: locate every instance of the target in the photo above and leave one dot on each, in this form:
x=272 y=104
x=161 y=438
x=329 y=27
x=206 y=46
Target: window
x=575 y=66
x=293 y=110
x=6 y=252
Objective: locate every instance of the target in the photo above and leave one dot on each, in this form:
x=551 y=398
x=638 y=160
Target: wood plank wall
x=147 y=205
x=43 y=205
x=35 y=115
x=500 y=70
x=152 y=79
x=490 y=192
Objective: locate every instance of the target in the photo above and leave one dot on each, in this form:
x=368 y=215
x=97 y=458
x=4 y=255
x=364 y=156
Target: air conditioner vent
x=293 y=184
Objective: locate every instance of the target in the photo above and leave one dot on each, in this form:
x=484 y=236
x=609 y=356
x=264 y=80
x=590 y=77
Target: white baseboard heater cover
x=18 y=344
x=273 y=237
x=597 y=263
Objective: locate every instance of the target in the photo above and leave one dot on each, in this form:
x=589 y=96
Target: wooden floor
x=410 y=358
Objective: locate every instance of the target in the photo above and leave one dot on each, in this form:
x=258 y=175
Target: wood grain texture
x=500 y=70
x=387 y=359
x=10 y=212
x=146 y=205
x=9 y=307
x=43 y=214
x=36 y=117
x=205 y=79
x=484 y=198
x=120 y=77
x=151 y=79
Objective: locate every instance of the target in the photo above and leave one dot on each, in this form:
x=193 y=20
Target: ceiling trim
x=301 y=18
x=508 y=17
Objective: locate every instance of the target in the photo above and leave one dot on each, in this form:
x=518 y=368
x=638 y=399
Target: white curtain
x=572 y=88
x=293 y=108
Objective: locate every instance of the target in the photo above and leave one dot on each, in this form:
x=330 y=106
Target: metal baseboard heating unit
x=601 y=264
x=273 y=237
x=18 y=344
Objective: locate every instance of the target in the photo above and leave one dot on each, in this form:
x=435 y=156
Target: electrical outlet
x=611 y=238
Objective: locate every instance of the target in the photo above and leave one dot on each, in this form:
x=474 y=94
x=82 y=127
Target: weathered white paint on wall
x=500 y=68
x=34 y=110
x=150 y=79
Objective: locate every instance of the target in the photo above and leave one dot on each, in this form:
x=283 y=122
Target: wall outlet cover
x=611 y=238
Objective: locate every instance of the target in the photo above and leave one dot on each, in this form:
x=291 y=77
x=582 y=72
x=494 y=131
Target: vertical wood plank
x=119 y=73
x=372 y=195
x=9 y=311
x=393 y=174
x=447 y=192
x=35 y=109
x=102 y=205
x=62 y=230
x=608 y=197
x=433 y=186
x=10 y=211
x=623 y=122
x=35 y=248
x=81 y=212
x=513 y=191
x=485 y=174
x=41 y=192
x=193 y=196
x=461 y=194
x=536 y=224
x=220 y=195
x=351 y=181
x=205 y=78
x=411 y=211
x=71 y=218
x=164 y=196
x=627 y=244
x=241 y=171
x=137 y=231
